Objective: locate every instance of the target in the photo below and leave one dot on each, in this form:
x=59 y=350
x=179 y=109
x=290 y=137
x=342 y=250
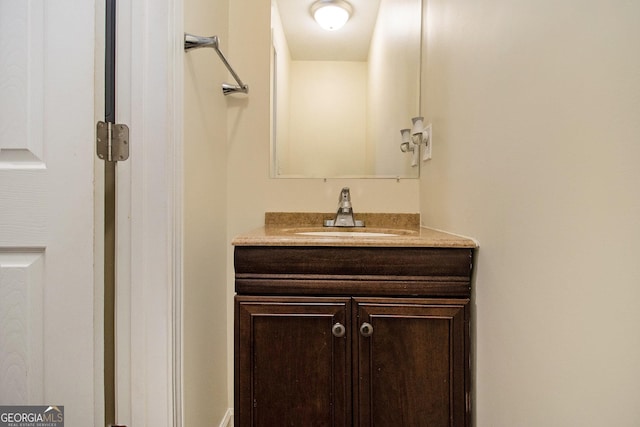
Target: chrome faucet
x=344 y=216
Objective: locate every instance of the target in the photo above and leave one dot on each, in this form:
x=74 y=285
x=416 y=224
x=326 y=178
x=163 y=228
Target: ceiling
x=308 y=42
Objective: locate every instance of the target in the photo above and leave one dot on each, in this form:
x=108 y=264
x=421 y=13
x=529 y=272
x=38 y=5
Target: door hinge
x=112 y=141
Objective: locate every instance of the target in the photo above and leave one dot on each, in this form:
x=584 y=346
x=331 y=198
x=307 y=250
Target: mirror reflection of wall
x=341 y=97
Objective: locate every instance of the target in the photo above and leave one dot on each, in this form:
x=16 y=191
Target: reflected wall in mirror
x=340 y=98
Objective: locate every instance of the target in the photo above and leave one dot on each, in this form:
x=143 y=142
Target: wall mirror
x=340 y=98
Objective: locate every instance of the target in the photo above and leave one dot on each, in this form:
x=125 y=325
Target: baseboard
x=227 y=421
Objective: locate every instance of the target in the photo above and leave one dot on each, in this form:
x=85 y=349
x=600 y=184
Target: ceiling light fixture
x=331 y=14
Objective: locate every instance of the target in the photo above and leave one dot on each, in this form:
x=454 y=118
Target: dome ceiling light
x=331 y=14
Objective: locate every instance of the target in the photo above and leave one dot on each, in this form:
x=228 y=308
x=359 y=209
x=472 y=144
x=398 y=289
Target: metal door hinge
x=112 y=141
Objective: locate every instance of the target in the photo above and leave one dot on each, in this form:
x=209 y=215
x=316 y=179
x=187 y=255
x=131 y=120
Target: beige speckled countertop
x=283 y=228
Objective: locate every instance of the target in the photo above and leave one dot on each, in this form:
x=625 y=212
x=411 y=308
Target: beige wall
x=281 y=65
x=535 y=108
x=205 y=216
x=327 y=121
x=394 y=97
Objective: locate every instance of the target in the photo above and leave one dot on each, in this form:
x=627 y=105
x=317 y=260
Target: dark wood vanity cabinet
x=352 y=336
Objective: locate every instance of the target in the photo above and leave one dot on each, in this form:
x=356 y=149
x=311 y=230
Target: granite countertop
x=385 y=230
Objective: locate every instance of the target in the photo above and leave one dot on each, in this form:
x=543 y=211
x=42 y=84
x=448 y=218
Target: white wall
x=535 y=108
x=205 y=216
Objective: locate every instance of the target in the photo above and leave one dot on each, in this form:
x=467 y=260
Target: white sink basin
x=346 y=233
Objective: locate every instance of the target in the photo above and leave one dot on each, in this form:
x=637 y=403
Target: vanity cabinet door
x=410 y=366
x=292 y=361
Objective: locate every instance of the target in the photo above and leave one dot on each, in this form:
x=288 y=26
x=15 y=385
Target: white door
x=47 y=296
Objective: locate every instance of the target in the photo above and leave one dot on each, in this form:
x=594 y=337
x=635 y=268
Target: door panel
x=292 y=369
x=410 y=371
x=46 y=205
x=21 y=85
x=21 y=333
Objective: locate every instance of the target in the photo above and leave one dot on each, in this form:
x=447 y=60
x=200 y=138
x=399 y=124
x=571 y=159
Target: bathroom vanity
x=351 y=329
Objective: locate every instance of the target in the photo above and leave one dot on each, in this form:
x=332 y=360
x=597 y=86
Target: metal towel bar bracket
x=195 y=42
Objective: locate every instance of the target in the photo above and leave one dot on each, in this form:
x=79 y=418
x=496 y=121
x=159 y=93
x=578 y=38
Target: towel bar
x=195 y=42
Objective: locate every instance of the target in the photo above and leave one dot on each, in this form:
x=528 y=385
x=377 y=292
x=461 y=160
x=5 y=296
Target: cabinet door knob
x=338 y=330
x=366 y=329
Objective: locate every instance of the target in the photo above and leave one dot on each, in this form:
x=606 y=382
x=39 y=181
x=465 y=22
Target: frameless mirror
x=340 y=98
